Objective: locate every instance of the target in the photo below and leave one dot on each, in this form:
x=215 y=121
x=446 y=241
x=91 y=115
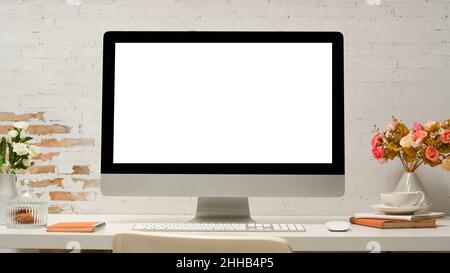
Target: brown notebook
x=76 y=227
x=386 y=224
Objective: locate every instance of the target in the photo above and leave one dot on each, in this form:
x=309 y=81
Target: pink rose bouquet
x=427 y=143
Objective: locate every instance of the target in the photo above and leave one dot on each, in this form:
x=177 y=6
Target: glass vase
x=8 y=191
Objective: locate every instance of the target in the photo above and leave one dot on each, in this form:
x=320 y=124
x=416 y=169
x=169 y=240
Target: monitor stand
x=222 y=209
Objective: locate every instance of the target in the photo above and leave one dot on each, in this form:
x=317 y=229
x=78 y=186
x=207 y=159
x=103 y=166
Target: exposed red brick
x=8 y=116
x=48 y=182
x=93 y=183
x=40 y=129
x=68 y=196
x=78 y=169
x=38 y=169
x=45 y=157
x=5 y=128
x=54 y=209
x=66 y=142
x=48 y=129
x=88 y=183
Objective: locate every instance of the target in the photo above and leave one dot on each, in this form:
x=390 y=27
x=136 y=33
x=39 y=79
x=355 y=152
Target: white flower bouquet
x=15 y=152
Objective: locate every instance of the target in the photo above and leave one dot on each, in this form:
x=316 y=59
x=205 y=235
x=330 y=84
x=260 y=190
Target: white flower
x=13 y=133
x=20 y=148
x=33 y=150
x=406 y=141
x=22 y=125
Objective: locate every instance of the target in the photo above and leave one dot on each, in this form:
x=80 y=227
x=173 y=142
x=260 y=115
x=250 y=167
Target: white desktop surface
x=316 y=237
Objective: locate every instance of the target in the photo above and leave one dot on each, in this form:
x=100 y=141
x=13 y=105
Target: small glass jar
x=27 y=210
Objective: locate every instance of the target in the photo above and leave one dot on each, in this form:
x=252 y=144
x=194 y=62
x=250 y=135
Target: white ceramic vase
x=410 y=182
x=8 y=191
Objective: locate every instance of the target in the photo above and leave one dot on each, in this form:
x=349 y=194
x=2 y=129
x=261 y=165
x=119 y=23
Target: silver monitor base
x=222 y=209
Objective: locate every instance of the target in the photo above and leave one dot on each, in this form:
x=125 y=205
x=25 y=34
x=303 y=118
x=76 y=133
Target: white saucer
x=400 y=210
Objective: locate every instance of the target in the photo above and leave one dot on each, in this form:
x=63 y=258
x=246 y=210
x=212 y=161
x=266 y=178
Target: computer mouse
x=338 y=226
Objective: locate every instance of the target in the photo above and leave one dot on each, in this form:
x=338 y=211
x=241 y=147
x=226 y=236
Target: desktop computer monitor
x=223 y=116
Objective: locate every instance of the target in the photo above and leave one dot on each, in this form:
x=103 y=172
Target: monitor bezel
x=110 y=38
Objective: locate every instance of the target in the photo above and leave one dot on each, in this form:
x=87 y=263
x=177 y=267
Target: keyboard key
x=284 y=227
x=299 y=227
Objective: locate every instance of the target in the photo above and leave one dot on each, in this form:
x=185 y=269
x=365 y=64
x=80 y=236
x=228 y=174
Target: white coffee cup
x=402 y=199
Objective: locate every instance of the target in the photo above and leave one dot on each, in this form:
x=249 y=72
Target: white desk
x=316 y=237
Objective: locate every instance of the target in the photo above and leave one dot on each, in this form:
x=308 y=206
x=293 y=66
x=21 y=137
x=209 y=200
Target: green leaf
x=389 y=153
x=11 y=154
x=26 y=139
x=17 y=139
x=2 y=151
x=445 y=149
x=3 y=144
x=410 y=154
x=19 y=165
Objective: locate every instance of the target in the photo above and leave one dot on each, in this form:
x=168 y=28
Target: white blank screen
x=223 y=103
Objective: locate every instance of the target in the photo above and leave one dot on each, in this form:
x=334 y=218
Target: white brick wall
x=397 y=61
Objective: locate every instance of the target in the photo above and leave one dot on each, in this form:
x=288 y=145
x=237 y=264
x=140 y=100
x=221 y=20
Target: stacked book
x=384 y=221
x=88 y=227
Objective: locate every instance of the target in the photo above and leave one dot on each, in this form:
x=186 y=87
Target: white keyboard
x=218 y=227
